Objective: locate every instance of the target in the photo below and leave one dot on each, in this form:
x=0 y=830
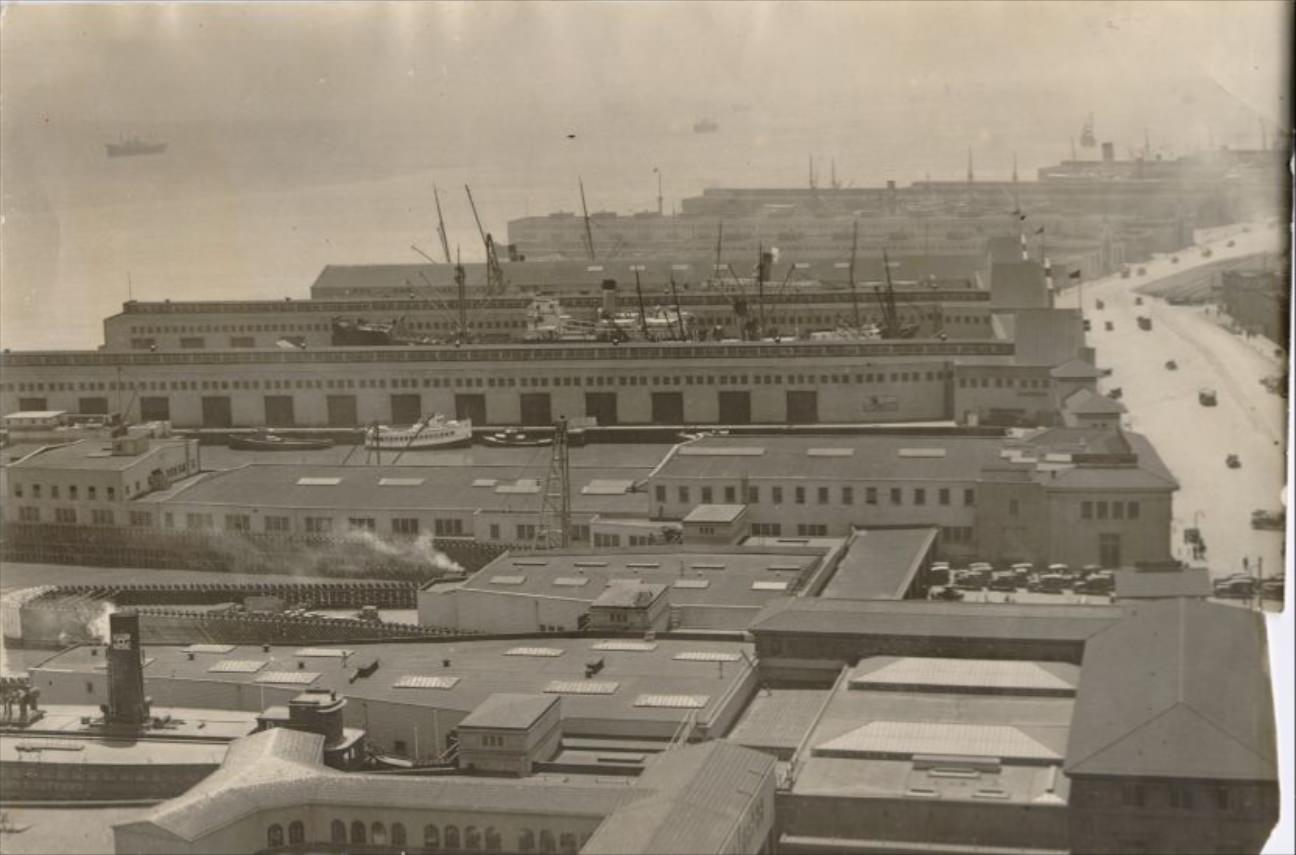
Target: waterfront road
x=1194 y=440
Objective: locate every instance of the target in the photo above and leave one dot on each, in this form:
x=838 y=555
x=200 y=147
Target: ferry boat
x=434 y=431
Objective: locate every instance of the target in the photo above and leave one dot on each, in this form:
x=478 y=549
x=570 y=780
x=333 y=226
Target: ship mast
x=643 y=317
x=589 y=234
x=854 y=294
x=441 y=229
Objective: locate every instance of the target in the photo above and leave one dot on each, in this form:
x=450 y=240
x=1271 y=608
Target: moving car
x=1207 y=397
x=1232 y=462
x=1171 y=365
x=1107 y=325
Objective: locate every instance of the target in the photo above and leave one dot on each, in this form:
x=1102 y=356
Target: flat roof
x=477 y=670
x=880 y=563
x=721 y=514
x=1153 y=584
x=91 y=454
x=694 y=576
x=67 y=749
x=414 y=488
x=509 y=711
x=929 y=619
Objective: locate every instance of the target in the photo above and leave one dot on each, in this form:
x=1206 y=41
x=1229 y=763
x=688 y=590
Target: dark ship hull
x=134 y=149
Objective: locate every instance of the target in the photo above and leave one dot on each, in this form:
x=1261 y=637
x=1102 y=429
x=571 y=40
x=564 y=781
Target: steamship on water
x=134 y=147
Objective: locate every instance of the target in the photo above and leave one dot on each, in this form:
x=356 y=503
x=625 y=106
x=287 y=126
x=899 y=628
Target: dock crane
x=494 y=273
x=441 y=229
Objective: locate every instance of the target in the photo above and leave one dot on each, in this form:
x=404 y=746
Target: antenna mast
x=589 y=234
x=554 y=527
x=441 y=229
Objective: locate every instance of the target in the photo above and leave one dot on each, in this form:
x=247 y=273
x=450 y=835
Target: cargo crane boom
x=589 y=233
x=494 y=273
x=441 y=229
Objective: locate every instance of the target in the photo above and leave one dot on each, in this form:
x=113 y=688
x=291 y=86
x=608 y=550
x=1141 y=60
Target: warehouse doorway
x=537 y=409
x=342 y=412
x=471 y=406
x=601 y=406
x=735 y=408
x=216 y=412
x=802 y=407
x=668 y=408
x=279 y=411
x=406 y=409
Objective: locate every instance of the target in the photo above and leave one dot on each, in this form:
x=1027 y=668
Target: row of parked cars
x=1244 y=587
x=1024 y=576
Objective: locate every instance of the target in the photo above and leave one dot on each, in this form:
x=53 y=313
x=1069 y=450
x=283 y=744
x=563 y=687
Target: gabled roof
x=1179 y=689
x=1086 y=402
x=1076 y=369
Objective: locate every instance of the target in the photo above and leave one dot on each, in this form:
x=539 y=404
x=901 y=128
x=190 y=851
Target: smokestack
x=609 y=297
x=1108 y=152
x=126 y=701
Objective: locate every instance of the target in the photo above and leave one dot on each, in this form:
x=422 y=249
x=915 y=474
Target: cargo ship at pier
x=134 y=147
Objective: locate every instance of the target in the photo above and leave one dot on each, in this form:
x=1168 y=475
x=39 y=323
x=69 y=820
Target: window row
x=1116 y=510
x=71 y=492
x=1002 y=383
x=801 y=495
x=436 y=838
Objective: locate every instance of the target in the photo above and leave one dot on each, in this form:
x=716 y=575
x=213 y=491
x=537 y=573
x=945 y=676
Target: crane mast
x=494 y=273
x=854 y=294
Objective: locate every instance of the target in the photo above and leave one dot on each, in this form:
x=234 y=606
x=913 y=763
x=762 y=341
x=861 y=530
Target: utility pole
x=553 y=529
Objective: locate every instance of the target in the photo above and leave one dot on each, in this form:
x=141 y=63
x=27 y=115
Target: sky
x=233 y=61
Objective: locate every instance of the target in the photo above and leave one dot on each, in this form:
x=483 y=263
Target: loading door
x=602 y=406
x=735 y=408
x=279 y=411
x=802 y=407
x=342 y=412
x=536 y=409
x=668 y=408
x=406 y=409
x=92 y=406
x=155 y=409
x=471 y=406
x=216 y=412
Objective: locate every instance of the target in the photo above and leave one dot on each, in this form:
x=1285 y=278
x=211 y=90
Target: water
x=255 y=209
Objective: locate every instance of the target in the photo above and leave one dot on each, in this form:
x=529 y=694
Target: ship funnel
x=609 y=297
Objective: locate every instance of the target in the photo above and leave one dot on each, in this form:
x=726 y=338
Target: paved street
x=1163 y=404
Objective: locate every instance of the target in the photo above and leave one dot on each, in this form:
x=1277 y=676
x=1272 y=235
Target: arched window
x=526 y=840
x=494 y=842
x=378 y=834
x=296 y=831
x=337 y=831
x=472 y=837
x=274 y=836
x=431 y=837
x=452 y=837
x=567 y=843
x=547 y=842
x=398 y=834
x=357 y=832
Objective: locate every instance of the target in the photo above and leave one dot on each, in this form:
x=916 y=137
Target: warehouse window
x=1086 y=510
x=405 y=525
x=753 y=494
x=276 y=523
x=731 y=494
x=799 y=493
x=66 y=516
x=920 y=496
x=848 y=495
x=238 y=522
x=1132 y=510
x=448 y=528
x=969 y=496
x=660 y=492
x=943 y=496
x=141 y=519
x=896 y=497
x=776 y=495
x=870 y=496
x=706 y=495
x=1101 y=510
x=362 y=523
x=319 y=525
x=823 y=495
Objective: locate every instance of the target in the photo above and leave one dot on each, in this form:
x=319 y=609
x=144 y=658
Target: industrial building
x=1073 y=495
x=273 y=791
x=410 y=697
x=922 y=727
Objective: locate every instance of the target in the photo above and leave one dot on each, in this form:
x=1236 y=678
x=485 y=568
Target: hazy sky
x=143 y=63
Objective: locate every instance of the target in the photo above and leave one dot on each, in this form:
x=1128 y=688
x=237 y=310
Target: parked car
x=946 y=594
x=1144 y=323
x=1102 y=582
x=1239 y=586
x=1232 y=462
x=938 y=576
x=1171 y=365
x=972 y=580
x=1003 y=580
x=1052 y=583
x=1023 y=571
x=1269 y=520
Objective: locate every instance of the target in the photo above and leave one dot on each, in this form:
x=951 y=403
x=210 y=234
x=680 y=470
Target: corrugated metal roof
x=907 y=738
x=424 y=681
